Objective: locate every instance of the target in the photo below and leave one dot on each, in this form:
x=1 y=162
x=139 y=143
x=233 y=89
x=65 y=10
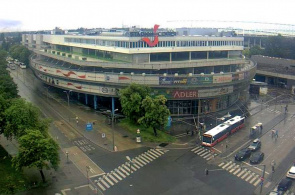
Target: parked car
x=22 y=65
x=291 y=172
x=256 y=158
x=243 y=154
x=256 y=144
x=284 y=184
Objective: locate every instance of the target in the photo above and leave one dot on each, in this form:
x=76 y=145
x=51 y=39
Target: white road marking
x=104 y=183
x=123 y=170
x=195 y=148
x=198 y=150
x=150 y=156
x=108 y=180
x=116 y=175
x=160 y=151
x=242 y=172
x=146 y=158
x=210 y=157
x=157 y=152
x=221 y=164
x=204 y=154
x=257 y=182
x=151 y=152
x=135 y=165
x=120 y=173
x=238 y=169
x=249 y=177
x=100 y=186
x=227 y=165
x=247 y=173
x=253 y=179
x=139 y=160
x=199 y=153
x=114 y=179
x=207 y=155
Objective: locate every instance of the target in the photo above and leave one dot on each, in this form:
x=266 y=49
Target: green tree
x=36 y=150
x=3 y=106
x=131 y=100
x=22 y=115
x=156 y=113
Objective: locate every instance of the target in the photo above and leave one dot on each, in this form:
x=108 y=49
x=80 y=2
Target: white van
x=22 y=65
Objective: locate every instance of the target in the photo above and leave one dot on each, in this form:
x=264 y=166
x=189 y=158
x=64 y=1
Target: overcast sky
x=68 y=14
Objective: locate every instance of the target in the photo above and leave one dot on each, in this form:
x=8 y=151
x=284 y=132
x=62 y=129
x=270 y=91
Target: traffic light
x=206 y=172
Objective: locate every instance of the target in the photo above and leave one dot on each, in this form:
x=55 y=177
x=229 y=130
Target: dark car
x=284 y=184
x=256 y=157
x=256 y=144
x=243 y=154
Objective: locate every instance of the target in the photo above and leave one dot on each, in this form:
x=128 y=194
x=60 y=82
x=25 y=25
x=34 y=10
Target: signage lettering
x=185 y=94
x=156 y=38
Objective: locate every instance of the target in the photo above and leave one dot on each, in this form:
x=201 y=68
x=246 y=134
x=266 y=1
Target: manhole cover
x=163 y=144
x=125 y=136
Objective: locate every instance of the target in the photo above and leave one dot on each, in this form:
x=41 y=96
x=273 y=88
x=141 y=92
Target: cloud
x=9 y=24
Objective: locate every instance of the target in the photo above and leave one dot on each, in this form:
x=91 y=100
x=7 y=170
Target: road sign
x=89 y=127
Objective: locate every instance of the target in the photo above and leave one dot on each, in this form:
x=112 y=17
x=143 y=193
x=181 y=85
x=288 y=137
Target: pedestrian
x=277 y=133
x=272 y=133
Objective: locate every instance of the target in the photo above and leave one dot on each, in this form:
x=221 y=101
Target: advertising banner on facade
x=215 y=91
x=222 y=78
x=200 y=80
x=166 y=80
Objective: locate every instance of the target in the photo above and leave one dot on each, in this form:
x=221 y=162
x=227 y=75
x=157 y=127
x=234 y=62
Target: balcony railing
x=165 y=80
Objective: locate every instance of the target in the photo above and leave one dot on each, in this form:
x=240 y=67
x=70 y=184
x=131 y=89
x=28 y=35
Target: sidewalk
x=123 y=140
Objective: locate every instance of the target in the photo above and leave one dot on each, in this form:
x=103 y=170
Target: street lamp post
x=47 y=92
x=68 y=96
x=87 y=169
x=113 y=130
x=67 y=153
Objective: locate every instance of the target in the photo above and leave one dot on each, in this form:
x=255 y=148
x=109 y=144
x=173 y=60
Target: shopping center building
x=197 y=74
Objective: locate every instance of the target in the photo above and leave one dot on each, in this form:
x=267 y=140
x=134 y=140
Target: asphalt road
x=174 y=171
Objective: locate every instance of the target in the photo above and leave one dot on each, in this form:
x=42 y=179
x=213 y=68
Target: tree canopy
x=36 y=150
x=22 y=115
x=131 y=100
x=156 y=112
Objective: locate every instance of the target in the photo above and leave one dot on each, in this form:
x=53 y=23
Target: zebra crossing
x=274 y=111
x=204 y=152
x=118 y=174
x=84 y=145
x=244 y=173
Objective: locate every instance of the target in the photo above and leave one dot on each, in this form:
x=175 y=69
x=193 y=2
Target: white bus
x=220 y=132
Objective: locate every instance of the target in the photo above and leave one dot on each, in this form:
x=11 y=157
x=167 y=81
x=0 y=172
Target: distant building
x=275 y=71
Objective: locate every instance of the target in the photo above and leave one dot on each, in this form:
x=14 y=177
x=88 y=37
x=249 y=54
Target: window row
x=142 y=44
